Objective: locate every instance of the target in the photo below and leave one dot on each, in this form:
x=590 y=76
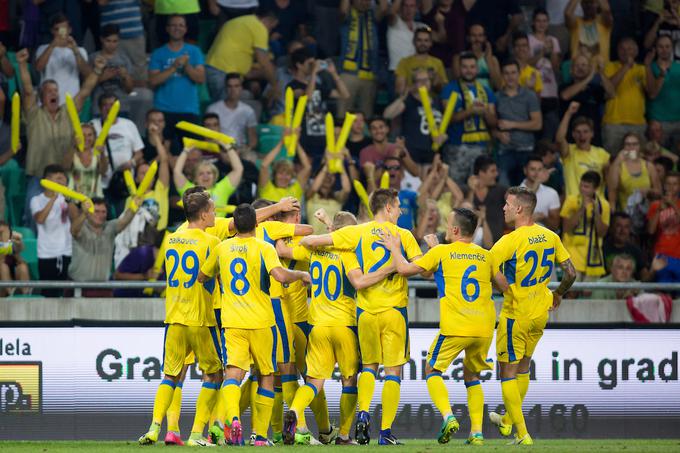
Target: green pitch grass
x=412 y=446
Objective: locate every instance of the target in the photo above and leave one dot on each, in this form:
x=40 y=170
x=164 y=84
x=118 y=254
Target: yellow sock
x=175 y=408
x=319 y=407
x=438 y=393
x=231 y=396
x=475 y=398
x=289 y=385
x=366 y=387
x=163 y=400
x=390 y=401
x=303 y=398
x=219 y=413
x=246 y=393
x=204 y=406
x=277 y=411
x=513 y=405
x=264 y=401
x=523 y=386
x=348 y=406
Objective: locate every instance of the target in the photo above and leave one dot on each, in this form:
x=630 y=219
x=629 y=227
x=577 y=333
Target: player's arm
x=359 y=280
x=209 y=268
x=568 y=279
x=500 y=282
x=403 y=267
x=316 y=240
x=285 y=205
x=283 y=275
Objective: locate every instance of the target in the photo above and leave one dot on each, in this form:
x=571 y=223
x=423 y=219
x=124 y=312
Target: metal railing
x=412 y=284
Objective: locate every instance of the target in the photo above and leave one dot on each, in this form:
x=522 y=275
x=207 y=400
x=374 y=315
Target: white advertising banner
x=577 y=373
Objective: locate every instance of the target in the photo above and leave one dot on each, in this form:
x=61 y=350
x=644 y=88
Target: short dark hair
x=665 y=162
x=620 y=215
x=104 y=96
x=195 y=200
x=427 y=30
x=519 y=35
x=591 y=177
x=544 y=147
x=109 y=30
x=579 y=120
x=300 y=56
x=526 y=197
x=245 y=219
x=53 y=169
x=98 y=200
x=672 y=174
x=466 y=220
x=538 y=11
x=377 y=118
x=510 y=62
x=660 y=37
x=151 y=112
x=482 y=163
x=381 y=198
x=58 y=18
x=265 y=12
x=467 y=56
x=232 y=75
x=533 y=158
x=261 y=203
x=210 y=115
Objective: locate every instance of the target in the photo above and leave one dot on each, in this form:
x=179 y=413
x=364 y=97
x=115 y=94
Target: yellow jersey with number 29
x=187 y=301
x=462 y=272
x=244 y=266
x=372 y=254
x=527 y=258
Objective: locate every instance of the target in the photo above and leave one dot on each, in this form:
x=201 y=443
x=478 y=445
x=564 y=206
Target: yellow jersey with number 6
x=527 y=258
x=187 y=301
x=366 y=241
x=462 y=272
x=244 y=265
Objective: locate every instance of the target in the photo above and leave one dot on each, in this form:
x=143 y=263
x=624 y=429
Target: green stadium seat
x=268 y=136
x=206 y=33
x=14 y=180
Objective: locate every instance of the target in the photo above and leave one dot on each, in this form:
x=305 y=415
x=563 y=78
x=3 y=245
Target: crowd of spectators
x=578 y=100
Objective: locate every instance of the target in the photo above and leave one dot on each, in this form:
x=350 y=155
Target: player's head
x=198 y=206
x=386 y=203
x=520 y=202
x=261 y=203
x=343 y=219
x=245 y=219
x=289 y=217
x=461 y=224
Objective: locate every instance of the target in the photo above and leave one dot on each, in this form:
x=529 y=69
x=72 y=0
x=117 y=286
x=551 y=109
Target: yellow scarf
x=474 y=133
x=358 y=56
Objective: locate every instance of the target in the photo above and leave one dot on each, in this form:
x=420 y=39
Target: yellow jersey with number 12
x=333 y=301
x=365 y=240
x=244 y=266
x=187 y=301
x=462 y=272
x=527 y=258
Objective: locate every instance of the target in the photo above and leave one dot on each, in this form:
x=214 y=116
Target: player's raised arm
x=568 y=279
x=403 y=267
x=316 y=240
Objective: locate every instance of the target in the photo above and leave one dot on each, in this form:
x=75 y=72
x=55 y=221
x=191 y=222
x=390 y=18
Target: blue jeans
x=215 y=80
x=511 y=166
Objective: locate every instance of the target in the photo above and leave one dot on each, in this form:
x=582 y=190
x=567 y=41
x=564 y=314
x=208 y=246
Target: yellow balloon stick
x=201 y=144
x=385 y=180
x=344 y=132
x=75 y=122
x=427 y=106
x=106 y=125
x=205 y=132
x=297 y=121
x=130 y=182
x=363 y=196
x=448 y=112
x=148 y=178
x=16 y=118
x=65 y=191
x=158 y=263
x=330 y=133
x=288 y=114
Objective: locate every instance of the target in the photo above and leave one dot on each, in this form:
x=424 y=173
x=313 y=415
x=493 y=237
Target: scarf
x=586 y=226
x=474 y=133
x=360 y=45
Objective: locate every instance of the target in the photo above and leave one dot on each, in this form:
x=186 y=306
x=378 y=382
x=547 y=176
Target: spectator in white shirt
x=237 y=119
x=401 y=26
x=62 y=60
x=547 y=210
x=51 y=214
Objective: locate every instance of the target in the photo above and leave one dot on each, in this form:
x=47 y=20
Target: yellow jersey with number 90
x=462 y=272
x=366 y=241
x=244 y=265
x=527 y=258
x=333 y=301
x=187 y=301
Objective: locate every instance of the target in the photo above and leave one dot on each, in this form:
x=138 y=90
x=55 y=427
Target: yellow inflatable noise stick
x=158 y=263
x=429 y=116
x=148 y=178
x=205 y=132
x=75 y=122
x=291 y=148
x=385 y=180
x=106 y=126
x=200 y=144
x=16 y=118
x=363 y=196
x=65 y=191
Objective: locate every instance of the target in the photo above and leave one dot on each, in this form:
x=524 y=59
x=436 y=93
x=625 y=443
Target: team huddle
x=238 y=303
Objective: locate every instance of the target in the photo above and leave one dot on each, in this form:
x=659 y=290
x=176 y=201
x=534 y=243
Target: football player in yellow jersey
x=527 y=258
x=190 y=323
x=335 y=275
x=463 y=272
x=382 y=320
x=245 y=265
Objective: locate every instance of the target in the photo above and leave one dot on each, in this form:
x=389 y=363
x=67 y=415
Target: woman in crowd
x=86 y=168
x=630 y=173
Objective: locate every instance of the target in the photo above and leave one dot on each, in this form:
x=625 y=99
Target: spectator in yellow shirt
x=625 y=112
x=284 y=180
x=407 y=67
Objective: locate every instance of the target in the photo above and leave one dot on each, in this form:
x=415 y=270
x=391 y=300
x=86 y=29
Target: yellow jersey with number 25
x=187 y=301
x=527 y=258
x=462 y=272
x=366 y=241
